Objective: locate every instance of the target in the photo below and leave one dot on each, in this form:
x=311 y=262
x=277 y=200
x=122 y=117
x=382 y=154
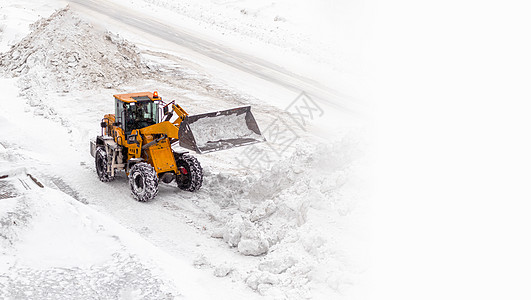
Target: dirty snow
x=73 y=57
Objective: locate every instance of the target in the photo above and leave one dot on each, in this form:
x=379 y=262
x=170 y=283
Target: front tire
x=191 y=177
x=143 y=181
x=101 y=165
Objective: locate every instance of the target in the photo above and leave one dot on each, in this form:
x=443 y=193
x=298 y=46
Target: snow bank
x=65 y=52
x=17 y=16
x=298 y=217
x=52 y=246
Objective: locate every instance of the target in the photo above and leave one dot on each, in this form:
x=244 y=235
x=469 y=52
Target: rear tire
x=101 y=165
x=143 y=181
x=193 y=179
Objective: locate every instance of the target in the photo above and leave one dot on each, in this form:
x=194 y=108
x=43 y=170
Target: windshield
x=139 y=115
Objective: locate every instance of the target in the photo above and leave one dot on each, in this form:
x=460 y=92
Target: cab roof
x=135 y=97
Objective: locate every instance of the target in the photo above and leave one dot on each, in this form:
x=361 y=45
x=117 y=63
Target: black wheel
x=101 y=165
x=143 y=181
x=191 y=177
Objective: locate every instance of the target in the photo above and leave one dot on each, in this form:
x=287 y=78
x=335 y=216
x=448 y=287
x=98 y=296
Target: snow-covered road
x=210 y=53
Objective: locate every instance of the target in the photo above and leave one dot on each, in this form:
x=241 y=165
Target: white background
x=451 y=214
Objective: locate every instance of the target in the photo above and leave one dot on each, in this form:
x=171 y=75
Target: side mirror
x=103 y=124
x=165 y=110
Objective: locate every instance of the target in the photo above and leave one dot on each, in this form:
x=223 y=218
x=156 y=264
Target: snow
x=306 y=37
x=213 y=129
x=279 y=73
x=17 y=16
x=288 y=229
x=73 y=248
x=54 y=246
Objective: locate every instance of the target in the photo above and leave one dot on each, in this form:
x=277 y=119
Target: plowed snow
x=65 y=52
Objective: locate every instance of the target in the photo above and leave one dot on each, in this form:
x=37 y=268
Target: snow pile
x=64 y=53
x=52 y=246
x=298 y=216
x=17 y=16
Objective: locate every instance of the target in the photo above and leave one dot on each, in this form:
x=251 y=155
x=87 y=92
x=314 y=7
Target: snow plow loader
x=140 y=138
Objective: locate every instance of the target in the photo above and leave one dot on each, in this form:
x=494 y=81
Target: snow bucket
x=219 y=130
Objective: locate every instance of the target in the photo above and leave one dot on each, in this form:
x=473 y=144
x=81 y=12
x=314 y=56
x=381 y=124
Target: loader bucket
x=219 y=130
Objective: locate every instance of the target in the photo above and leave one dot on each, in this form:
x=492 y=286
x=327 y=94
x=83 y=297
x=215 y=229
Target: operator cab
x=136 y=110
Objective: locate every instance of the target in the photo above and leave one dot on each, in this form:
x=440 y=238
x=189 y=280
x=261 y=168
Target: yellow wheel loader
x=148 y=139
